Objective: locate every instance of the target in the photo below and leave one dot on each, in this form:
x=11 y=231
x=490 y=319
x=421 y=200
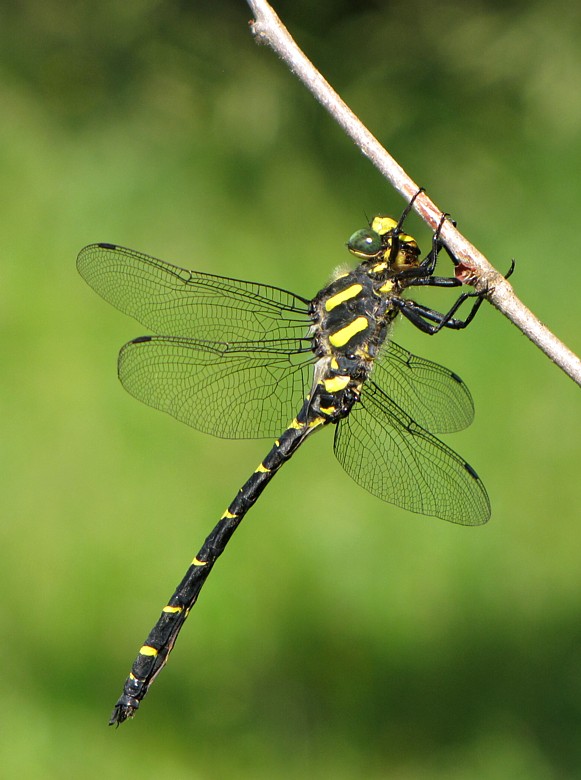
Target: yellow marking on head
x=334 y=365
x=386 y=287
x=262 y=469
x=341 y=337
x=383 y=225
x=147 y=650
x=344 y=295
x=172 y=610
x=226 y=516
x=328 y=409
x=379 y=267
x=296 y=424
x=336 y=383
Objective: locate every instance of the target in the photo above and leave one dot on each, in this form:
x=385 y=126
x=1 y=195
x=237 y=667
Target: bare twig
x=268 y=28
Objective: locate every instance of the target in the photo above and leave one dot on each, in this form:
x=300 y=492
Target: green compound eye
x=365 y=243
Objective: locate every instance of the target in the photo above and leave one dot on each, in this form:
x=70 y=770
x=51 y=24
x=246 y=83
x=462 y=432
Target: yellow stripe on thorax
x=344 y=295
x=341 y=337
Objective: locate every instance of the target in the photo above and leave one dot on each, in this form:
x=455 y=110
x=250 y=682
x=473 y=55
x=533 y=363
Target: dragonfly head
x=384 y=242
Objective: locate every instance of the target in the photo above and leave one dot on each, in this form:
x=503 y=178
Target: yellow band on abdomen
x=336 y=383
x=147 y=650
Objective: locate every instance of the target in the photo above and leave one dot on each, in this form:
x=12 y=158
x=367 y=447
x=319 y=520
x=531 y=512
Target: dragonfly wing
x=433 y=395
x=245 y=390
x=397 y=460
x=173 y=301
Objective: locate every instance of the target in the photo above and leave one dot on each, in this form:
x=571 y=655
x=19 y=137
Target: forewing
x=175 y=302
x=433 y=395
x=236 y=391
x=397 y=460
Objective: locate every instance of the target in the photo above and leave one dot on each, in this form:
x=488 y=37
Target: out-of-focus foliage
x=339 y=637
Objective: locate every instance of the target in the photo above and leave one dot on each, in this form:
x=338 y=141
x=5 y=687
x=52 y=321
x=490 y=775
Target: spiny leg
x=417 y=314
x=423 y=317
x=407 y=210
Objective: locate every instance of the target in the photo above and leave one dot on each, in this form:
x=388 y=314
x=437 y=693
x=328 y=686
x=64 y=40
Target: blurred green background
x=339 y=637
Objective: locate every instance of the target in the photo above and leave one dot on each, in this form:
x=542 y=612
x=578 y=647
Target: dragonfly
x=239 y=360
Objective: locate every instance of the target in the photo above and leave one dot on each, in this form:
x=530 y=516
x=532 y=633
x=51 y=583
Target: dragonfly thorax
x=351 y=319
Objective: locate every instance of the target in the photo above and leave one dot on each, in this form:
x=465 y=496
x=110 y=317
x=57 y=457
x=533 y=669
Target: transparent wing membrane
x=434 y=396
x=172 y=301
x=397 y=460
x=235 y=391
